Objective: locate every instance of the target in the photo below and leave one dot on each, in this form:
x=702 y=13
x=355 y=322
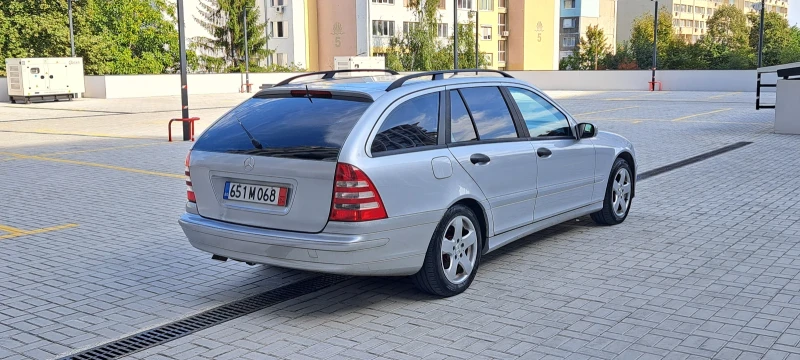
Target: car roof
x=376 y=86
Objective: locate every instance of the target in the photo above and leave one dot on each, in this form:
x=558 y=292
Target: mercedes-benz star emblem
x=249 y=164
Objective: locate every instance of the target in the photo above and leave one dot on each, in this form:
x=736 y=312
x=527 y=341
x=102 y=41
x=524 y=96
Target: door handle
x=544 y=152
x=479 y=159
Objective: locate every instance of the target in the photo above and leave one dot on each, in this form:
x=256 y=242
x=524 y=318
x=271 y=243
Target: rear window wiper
x=253 y=140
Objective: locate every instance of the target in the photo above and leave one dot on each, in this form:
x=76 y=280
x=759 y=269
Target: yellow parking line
x=722 y=95
x=701 y=114
x=102 y=149
x=15 y=232
x=86 y=163
x=54 y=132
x=609 y=110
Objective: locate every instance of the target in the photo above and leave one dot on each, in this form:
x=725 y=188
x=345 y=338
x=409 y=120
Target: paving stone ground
x=706 y=265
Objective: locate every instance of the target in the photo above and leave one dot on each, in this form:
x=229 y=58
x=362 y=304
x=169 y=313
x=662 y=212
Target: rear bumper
x=387 y=252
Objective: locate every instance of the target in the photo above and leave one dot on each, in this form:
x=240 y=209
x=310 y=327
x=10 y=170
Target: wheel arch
x=627 y=156
x=482 y=216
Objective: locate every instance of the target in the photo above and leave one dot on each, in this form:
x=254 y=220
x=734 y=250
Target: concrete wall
x=131 y=86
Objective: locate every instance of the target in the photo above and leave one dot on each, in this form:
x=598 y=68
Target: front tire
x=453 y=256
x=619 y=194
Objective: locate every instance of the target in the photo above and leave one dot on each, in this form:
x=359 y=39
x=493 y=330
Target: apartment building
x=514 y=34
x=578 y=15
x=689 y=17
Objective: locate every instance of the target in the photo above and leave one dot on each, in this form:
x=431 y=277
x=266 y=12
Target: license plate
x=255 y=193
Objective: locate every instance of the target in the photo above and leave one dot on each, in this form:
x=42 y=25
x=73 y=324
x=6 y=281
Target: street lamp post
x=71 y=33
x=246 y=53
x=655 y=48
x=761 y=35
x=184 y=90
x=477 y=61
x=455 y=34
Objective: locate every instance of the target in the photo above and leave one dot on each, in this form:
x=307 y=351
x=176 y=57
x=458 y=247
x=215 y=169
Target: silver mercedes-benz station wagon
x=397 y=175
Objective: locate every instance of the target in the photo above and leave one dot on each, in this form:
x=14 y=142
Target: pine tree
x=224 y=20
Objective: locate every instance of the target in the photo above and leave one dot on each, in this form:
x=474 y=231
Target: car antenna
x=253 y=140
x=308 y=95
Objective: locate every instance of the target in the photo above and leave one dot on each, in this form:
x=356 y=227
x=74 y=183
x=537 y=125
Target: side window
x=413 y=123
x=461 y=127
x=490 y=113
x=541 y=117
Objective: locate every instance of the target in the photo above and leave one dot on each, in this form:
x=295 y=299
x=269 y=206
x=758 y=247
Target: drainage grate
x=691 y=160
x=206 y=319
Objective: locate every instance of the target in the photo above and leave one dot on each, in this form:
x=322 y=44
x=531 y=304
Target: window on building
x=277 y=29
x=442 y=4
x=281 y=59
x=276 y=2
x=502 y=47
x=568 y=23
x=486 y=32
x=700 y=9
x=676 y=22
x=412 y=124
x=710 y=11
x=683 y=8
x=383 y=1
x=442 y=30
x=464 y=4
x=569 y=4
x=501 y=23
x=487 y=5
x=569 y=41
x=689 y=8
x=409 y=27
x=676 y=7
x=382 y=28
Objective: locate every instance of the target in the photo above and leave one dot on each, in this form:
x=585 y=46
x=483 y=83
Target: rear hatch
x=270 y=162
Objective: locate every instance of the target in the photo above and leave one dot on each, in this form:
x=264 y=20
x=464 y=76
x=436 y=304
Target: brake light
x=189 y=190
x=311 y=93
x=355 y=197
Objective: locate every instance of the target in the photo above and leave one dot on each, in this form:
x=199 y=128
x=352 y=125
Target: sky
x=794 y=14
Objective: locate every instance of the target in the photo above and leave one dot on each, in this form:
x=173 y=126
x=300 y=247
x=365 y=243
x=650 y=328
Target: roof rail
x=439 y=75
x=330 y=73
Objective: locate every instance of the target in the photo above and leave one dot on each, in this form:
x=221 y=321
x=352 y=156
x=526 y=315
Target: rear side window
x=541 y=117
x=490 y=113
x=412 y=124
x=293 y=127
x=461 y=127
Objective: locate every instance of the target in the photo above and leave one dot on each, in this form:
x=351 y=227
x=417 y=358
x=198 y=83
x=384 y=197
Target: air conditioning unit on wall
x=279 y=9
x=504 y=33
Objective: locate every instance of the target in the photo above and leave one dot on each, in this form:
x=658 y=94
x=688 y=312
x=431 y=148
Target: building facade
x=689 y=17
x=513 y=34
x=578 y=15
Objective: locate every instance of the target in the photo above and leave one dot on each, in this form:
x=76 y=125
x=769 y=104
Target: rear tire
x=619 y=194
x=452 y=259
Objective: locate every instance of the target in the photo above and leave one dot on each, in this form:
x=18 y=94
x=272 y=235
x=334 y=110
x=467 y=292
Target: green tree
x=777 y=37
x=728 y=28
x=33 y=28
x=224 y=20
x=791 y=53
x=622 y=59
x=421 y=50
x=590 y=52
x=128 y=37
x=642 y=38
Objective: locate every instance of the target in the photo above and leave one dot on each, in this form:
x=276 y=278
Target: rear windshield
x=293 y=127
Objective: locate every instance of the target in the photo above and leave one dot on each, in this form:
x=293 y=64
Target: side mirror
x=586 y=130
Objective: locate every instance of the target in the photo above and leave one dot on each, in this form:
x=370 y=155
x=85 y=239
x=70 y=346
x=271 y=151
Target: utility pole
x=761 y=36
x=266 y=31
x=246 y=53
x=455 y=34
x=71 y=33
x=655 y=47
x=184 y=90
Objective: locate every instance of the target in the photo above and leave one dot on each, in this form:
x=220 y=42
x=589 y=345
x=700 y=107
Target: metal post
x=655 y=47
x=71 y=33
x=477 y=61
x=455 y=34
x=187 y=127
x=761 y=35
x=246 y=53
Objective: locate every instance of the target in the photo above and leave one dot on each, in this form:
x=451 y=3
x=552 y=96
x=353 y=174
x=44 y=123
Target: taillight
x=189 y=190
x=354 y=196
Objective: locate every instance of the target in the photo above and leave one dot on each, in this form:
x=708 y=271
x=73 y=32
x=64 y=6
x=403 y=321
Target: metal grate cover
x=691 y=160
x=206 y=319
